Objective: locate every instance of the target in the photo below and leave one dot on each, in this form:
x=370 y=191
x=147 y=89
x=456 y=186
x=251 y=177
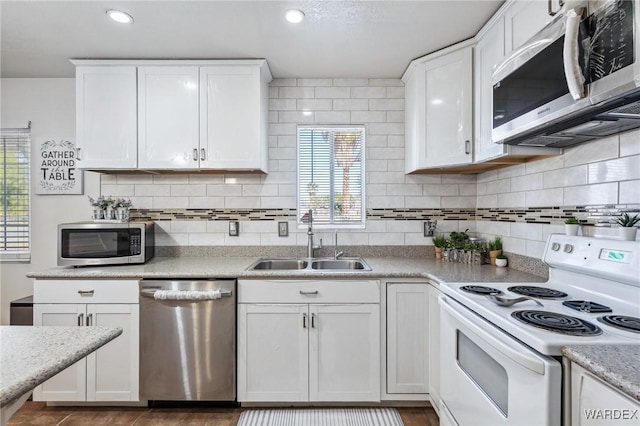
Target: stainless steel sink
x=348 y=264
x=279 y=264
x=340 y=264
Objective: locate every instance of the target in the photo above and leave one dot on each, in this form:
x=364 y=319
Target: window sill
x=15 y=257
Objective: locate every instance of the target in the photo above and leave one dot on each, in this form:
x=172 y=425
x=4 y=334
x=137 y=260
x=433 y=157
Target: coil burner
x=557 y=323
x=538 y=292
x=480 y=289
x=622 y=322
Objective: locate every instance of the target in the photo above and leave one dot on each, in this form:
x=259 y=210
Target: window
x=331 y=176
x=14 y=194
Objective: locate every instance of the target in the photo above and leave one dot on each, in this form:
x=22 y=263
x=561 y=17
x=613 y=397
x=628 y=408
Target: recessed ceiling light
x=294 y=16
x=119 y=16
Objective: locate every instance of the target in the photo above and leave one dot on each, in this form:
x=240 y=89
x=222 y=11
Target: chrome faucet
x=310 y=247
x=337 y=254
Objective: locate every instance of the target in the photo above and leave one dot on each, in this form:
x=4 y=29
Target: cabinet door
x=168 y=122
x=233 y=117
x=106 y=125
x=489 y=51
x=448 y=109
x=407 y=338
x=273 y=353
x=434 y=348
x=112 y=370
x=344 y=353
x=69 y=384
x=524 y=19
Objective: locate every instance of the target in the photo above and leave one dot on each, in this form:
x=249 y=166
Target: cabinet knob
x=203 y=155
x=195 y=154
x=467 y=147
x=313 y=320
x=89 y=320
x=80 y=319
x=304 y=320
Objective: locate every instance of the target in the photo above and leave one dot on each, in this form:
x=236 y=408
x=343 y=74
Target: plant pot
x=438 y=252
x=628 y=234
x=98 y=214
x=571 y=229
x=501 y=263
x=492 y=256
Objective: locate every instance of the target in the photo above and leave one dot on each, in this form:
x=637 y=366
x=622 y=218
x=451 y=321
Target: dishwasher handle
x=184 y=295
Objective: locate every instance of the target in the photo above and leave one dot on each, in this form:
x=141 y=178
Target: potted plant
x=439 y=241
x=122 y=207
x=495 y=248
x=571 y=226
x=501 y=261
x=627 y=230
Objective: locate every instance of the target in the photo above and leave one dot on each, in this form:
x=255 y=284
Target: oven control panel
x=611 y=259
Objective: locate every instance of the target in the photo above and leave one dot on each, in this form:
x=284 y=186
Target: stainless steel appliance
x=105 y=243
x=502 y=365
x=188 y=340
x=21 y=311
x=578 y=79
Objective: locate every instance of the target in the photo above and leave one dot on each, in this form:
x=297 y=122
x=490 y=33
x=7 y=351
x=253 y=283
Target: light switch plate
x=234 y=228
x=283 y=229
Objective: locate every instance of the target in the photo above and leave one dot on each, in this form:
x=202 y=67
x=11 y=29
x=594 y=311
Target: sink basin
x=279 y=264
x=341 y=264
x=350 y=264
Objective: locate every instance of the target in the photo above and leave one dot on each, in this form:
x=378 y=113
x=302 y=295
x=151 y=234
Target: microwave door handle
x=570 y=53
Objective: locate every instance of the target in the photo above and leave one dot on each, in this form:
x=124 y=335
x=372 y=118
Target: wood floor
x=38 y=414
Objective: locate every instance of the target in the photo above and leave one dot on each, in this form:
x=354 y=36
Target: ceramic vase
x=501 y=263
x=627 y=233
x=571 y=229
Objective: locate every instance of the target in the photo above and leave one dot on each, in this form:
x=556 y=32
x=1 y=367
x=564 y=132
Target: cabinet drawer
x=85 y=291
x=308 y=291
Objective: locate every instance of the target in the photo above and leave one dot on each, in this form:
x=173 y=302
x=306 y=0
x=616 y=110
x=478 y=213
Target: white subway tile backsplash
x=314 y=104
x=629 y=192
x=422 y=202
x=278 y=202
x=369 y=92
x=386 y=202
x=333 y=117
x=350 y=105
x=121 y=190
x=206 y=202
x=282 y=104
x=242 y=202
x=395 y=141
x=206 y=239
x=630 y=143
x=283 y=129
x=279 y=82
x=386 y=104
x=405 y=189
x=188 y=226
x=350 y=82
x=376 y=165
x=458 y=202
x=448 y=189
x=244 y=239
x=375 y=141
x=152 y=190
x=386 y=82
x=197 y=190
x=534 y=249
x=545 y=164
x=384 y=153
x=134 y=179
x=170 y=202
x=405 y=226
x=287 y=190
x=260 y=190
x=528 y=182
x=395 y=116
x=509 y=172
x=568 y=176
x=544 y=198
x=332 y=92
x=487 y=201
x=298 y=117
x=386 y=129
x=206 y=178
x=314 y=82
x=108 y=179
x=395 y=92
x=604 y=193
x=499 y=186
x=395 y=165
x=512 y=199
x=625 y=168
x=142 y=202
x=385 y=177
x=223 y=190
x=423 y=178
x=527 y=231
x=515 y=245
x=376 y=189
x=359 y=117
x=296 y=92
x=602 y=149
x=387 y=239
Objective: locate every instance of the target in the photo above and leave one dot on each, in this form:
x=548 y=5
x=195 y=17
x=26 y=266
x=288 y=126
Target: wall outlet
x=283 y=229
x=234 y=229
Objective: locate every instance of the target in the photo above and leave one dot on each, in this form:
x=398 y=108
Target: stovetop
x=591 y=281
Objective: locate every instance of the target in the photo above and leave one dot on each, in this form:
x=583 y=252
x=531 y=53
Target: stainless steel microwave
x=95 y=243
x=576 y=80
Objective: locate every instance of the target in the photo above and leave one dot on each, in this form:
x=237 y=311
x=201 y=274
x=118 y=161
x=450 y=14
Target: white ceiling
x=337 y=38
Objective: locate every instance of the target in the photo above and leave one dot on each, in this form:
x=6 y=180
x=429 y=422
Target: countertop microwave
x=105 y=243
x=576 y=80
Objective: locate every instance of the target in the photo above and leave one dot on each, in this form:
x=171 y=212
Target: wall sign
x=56 y=167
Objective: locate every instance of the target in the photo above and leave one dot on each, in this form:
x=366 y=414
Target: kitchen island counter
x=615 y=364
x=235 y=267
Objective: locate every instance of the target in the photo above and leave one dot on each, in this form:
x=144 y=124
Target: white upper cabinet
x=233 y=117
x=106 y=128
x=439 y=109
x=524 y=18
x=177 y=115
x=168 y=125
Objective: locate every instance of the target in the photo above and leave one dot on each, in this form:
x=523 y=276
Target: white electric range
x=502 y=365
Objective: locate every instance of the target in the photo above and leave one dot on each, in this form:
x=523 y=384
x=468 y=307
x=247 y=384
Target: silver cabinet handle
x=313 y=320
x=550 y=10
x=203 y=155
x=195 y=154
x=304 y=320
x=78 y=154
x=467 y=147
x=80 y=319
x=306 y=293
x=90 y=320
x=86 y=292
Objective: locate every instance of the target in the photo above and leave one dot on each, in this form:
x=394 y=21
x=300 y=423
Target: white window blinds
x=14 y=194
x=331 y=176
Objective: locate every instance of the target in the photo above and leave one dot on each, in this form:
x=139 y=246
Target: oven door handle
x=530 y=362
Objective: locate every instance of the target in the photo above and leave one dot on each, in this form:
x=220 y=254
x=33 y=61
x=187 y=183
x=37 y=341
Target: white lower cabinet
x=594 y=402
x=321 y=343
x=111 y=372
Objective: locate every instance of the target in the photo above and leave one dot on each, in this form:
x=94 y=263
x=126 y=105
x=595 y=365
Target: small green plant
x=495 y=244
x=627 y=221
x=457 y=240
x=440 y=241
x=571 y=221
x=501 y=256
x=475 y=246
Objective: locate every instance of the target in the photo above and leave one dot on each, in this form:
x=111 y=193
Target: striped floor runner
x=322 y=417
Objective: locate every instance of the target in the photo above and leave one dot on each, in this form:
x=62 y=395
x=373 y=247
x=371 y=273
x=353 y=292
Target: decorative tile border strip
x=588 y=215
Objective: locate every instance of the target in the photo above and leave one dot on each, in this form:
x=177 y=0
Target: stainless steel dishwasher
x=188 y=340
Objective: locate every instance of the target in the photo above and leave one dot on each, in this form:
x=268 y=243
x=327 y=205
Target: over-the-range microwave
x=105 y=243
x=576 y=80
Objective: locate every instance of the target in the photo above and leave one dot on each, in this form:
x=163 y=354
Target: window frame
x=301 y=224
x=21 y=255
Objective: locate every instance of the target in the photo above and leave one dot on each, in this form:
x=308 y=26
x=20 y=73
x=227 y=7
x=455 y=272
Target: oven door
x=490 y=378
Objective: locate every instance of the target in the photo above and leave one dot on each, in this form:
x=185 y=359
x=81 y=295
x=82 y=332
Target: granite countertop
x=31 y=355
x=235 y=267
x=615 y=364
